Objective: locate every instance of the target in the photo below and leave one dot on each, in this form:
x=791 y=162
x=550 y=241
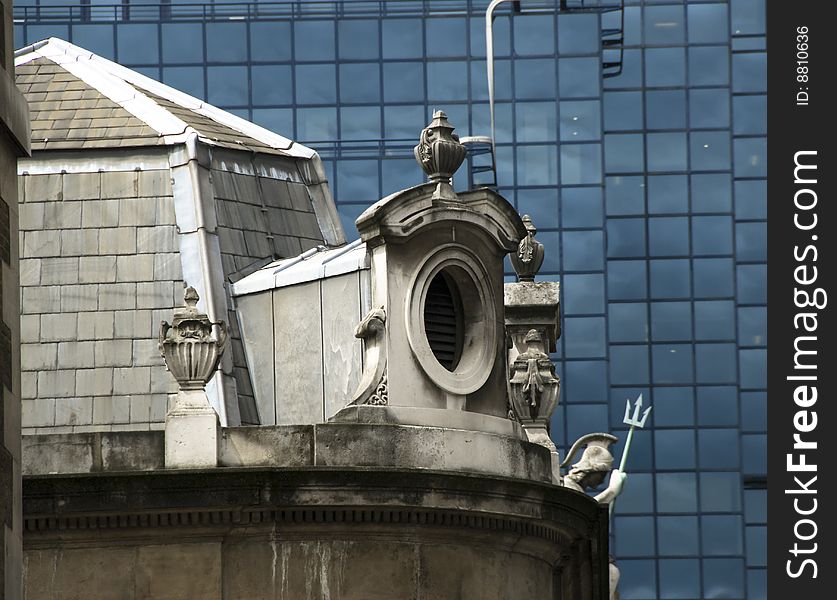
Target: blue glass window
x=137 y=44
x=708 y=65
x=584 y=337
x=671 y=321
x=750 y=115
x=665 y=67
x=719 y=448
x=754 y=454
x=624 y=153
x=631 y=24
x=584 y=381
x=749 y=72
x=753 y=368
x=537 y=165
x=677 y=536
x=502 y=80
x=360 y=123
x=708 y=23
x=638 y=497
x=581 y=164
x=674 y=448
x=580 y=121
x=272 y=85
x=711 y=235
x=314 y=40
x=713 y=277
x=578 y=77
x=664 y=25
x=182 y=43
x=751 y=241
x=402 y=38
x=717 y=405
x=679 y=578
x=99 y=39
x=536 y=121
x=751 y=157
x=625 y=195
x=234 y=46
x=402 y=122
x=552 y=258
x=634 y=536
x=752 y=325
x=711 y=193
x=668 y=194
x=628 y=322
x=534 y=34
x=722 y=535
x=751 y=199
x=270 y=40
x=583 y=250
x=723 y=578
x=709 y=108
x=752 y=284
x=447 y=80
x=583 y=418
x=629 y=365
x=400 y=173
x=639 y=581
x=672 y=363
x=755 y=506
x=674 y=406
x=317 y=124
x=577 y=34
x=631 y=76
x=748 y=17
x=756 y=546
x=623 y=111
x=541 y=205
x=714 y=320
x=720 y=492
x=360 y=82
x=190 y=80
x=404 y=82
x=665 y=109
x=754 y=411
x=315 y=84
x=666 y=151
x=358 y=39
x=279 y=120
x=534 y=78
x=227 y=85
x=581 y=207
x=710 y=151
x=668 y=236
x=445 y=36
x=353 y=177
x=583 y=294
x=502 y=35
x=676 y=492
x=627 y=279
x=670 y=279
x=348 y=215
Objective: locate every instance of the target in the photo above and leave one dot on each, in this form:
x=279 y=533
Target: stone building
x=330 y=420
x=14 y=143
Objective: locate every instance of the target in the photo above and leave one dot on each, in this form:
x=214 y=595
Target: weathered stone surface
x=118 y=240
x=132 y=380
x=94 y=382
x=38 y=357
x=74 y=411
x=117 y=296
x=133 y=324
x=95 y=325
x=110 y=409
x=113 y=353
x=81 y=186
x=79 y=242
x=265 y=446
x=56 y=384
x=100 y=213
x=97 y=269
x=39 y=412
x=56 y=327
x=137 y=267
x=78 y=298
x=92 y=452
x=59 y=271
x=39 y=244
x=75 y=355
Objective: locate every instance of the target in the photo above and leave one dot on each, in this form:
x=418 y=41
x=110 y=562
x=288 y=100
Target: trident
x=634 y=421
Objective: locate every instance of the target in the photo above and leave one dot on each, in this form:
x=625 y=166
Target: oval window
x=443 y=321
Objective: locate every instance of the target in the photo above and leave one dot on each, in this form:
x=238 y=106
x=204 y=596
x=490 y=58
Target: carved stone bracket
x=372 y=388
x=534 y=387
x=528 y=259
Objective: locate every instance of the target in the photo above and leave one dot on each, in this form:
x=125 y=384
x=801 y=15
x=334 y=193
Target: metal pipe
x=489 y=59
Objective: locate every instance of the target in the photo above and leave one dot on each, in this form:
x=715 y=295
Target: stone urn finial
x=440 y=154
x=528 y=259
x=187 y=346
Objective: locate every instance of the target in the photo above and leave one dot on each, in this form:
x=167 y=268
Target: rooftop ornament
x=528 y=259
x=440 y=154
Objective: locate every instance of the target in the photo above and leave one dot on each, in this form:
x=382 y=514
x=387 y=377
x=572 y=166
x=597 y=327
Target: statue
x=589 y=472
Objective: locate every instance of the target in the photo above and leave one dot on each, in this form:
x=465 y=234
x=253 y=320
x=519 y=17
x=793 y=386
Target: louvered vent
x=443 y=321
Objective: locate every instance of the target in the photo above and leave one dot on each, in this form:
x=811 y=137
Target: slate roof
x=81 y=100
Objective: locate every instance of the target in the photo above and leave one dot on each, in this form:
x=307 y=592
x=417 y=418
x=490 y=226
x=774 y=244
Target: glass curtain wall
x=648 y=190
